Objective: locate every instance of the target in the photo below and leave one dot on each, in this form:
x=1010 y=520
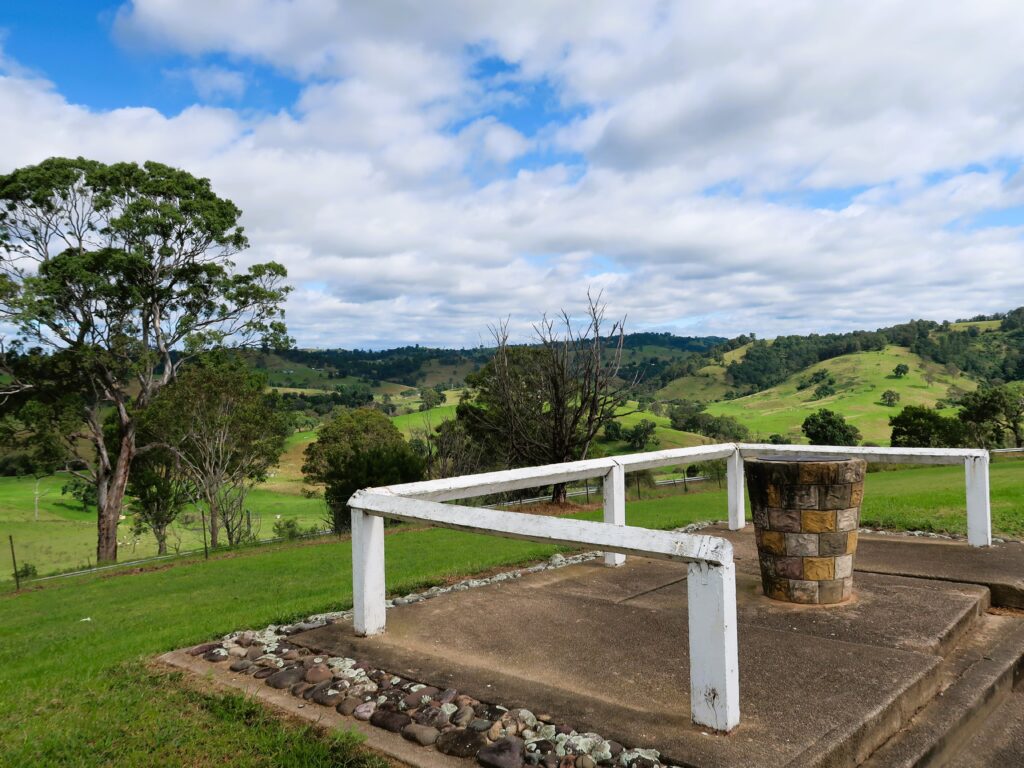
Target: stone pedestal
x=806 y=514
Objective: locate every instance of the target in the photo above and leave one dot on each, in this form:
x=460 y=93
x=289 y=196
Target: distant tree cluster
x=690 y=416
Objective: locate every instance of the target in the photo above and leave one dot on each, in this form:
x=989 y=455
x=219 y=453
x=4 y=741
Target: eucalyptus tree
x=113 y=276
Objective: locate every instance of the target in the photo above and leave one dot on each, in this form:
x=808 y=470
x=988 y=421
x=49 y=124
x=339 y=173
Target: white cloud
x=386 y=187
x=216 y=83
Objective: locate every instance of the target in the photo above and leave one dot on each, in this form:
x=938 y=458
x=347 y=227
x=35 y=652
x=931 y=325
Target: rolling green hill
x=861 y=379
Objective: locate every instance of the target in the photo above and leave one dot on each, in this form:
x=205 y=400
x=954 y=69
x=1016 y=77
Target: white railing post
x=368 y=596
x=615 y=506
x=979 y=510
x=737 y=493
x=714 y=653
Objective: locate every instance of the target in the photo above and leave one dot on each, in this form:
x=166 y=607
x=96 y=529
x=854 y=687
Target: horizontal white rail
x=872 y=454
x=665 y=545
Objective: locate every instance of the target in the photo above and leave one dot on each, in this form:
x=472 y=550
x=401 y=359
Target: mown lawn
x=71 y=664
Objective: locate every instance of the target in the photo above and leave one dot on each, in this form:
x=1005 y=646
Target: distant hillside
x=860 y=380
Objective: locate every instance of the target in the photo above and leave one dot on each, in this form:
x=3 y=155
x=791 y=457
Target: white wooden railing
x=711 y=582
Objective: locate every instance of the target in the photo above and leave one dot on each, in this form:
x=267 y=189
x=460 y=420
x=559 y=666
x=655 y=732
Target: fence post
x=615 y=506
x=14 y=563
x=714 y=653
x=737 y=493
x=368 y=596
x=979 y=511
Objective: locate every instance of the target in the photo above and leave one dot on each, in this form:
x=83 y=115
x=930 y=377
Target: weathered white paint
x=979 y=511
x=482 y=484
x=466 y=486
x=714 y=652
x=737 y=493
x=877 y=455
x=368 y=595
x=666 y=545
x=615 y=507
x=635 y=462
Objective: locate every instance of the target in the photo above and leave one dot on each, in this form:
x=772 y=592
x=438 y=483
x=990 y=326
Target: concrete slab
x=606 y=650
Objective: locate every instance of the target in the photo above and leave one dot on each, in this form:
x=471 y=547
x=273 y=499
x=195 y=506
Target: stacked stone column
x=806 y=515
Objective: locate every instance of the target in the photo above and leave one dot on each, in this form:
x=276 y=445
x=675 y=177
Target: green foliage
x=81 y=491
x=26 y=571
x=114 y=275
x=287 y=528
x=224 y=432
x=641 y=436
x=890 y=398
x=994 y=414
x=160 y=490
x=613 y=431
x=823 y=390
x=358 y=449
x=921 y=427
x=825 y=427
x=901 y=370
x=689 y=416
x=430 y=398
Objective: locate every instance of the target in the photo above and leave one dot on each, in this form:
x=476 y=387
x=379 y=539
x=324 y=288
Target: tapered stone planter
x=806 y=514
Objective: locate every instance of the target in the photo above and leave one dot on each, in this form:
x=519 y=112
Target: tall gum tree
x=114 y=276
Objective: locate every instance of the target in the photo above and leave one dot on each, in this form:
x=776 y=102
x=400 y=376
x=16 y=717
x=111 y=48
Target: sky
x=424 y=170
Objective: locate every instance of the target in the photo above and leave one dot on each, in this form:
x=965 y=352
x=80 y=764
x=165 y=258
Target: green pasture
x=860 y=381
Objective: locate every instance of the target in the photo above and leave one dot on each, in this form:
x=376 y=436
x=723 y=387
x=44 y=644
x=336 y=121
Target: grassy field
x=707 y=385
x=419 y=420
x=860 y=381
x=76 y=692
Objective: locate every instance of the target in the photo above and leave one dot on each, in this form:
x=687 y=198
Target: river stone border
x=455 y=724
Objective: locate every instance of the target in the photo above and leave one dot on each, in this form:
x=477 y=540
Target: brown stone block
x=787 y=520
x=789 y=567
x=777 y=589
x=772 y=541
x=856 y=495
x=759 y=514
x=834 y=497
x=833 y=543
x=815 y=521
x=757 y=494
x=831 y=591
x=803 y=591
x=819 y=568
x=774 y=495
x=819 y=472
x=767 y=563
x=851 y=542
x=848 y=519
x=851 y=471
x=844 y=566
x=800 y=496
x=801 y=544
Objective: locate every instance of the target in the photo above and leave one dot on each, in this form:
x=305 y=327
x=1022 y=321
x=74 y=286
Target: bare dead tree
x=546 y=403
